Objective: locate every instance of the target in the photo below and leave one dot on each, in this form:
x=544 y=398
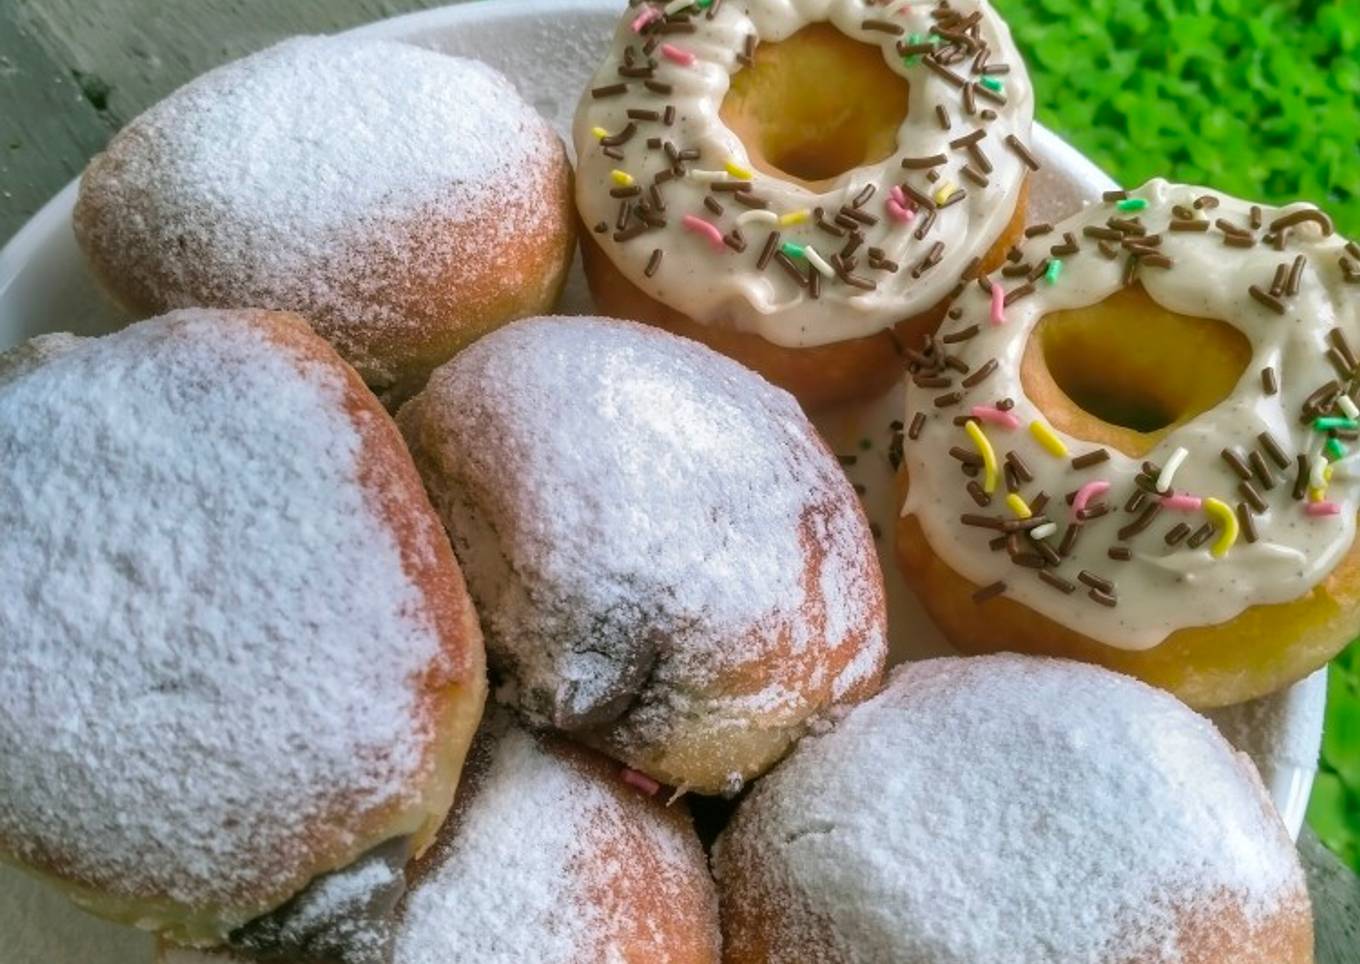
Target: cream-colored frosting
x=1162 y=588
x=727 y=287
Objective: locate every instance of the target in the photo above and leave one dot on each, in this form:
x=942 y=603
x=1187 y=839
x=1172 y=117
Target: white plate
x=550 y=48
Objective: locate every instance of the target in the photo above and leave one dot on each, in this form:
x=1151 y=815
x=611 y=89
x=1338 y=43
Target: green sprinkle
x=1329 y=422
x=917 y=38
x=1335 y=449
x=993 y=83
x=792 y=250
x=1131 y=204
x=703 y=4
x=1054 y=270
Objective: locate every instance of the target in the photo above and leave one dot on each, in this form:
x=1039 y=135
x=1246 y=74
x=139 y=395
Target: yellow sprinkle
x=1327 y=472
x=599 y=132
x=943 y=192
x=1317 y=495
x=794 y=217
x=984 y=448
x=1051 y=443
x=1225 y=517
x=1018 y=505
x=737 y=171
x=622 y=178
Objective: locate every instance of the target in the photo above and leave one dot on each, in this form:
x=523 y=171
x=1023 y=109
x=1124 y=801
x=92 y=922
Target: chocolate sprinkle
x=1236 y=463
x=1021 y=151
x=1273 y=449
x=1088 y=459
x=1119 y=553
x=1245 y=522
x=1104 y=598
x=1057 y=582
x=1269 y=385
x=1261 y=470
x=1095 y=581
x=1144 y=520
x=989 y=592
x=1177 y=533
x=1301 y=478
x=767 y=252
x=1267 y=299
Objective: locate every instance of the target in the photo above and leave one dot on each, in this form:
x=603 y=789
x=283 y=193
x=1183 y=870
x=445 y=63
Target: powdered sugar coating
x=1009 y=809
x=331 y=176
x=656 y=538
x=544 y=862
x=214 y=656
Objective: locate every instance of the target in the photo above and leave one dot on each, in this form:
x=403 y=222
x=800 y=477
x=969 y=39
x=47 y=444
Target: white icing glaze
x=1163 y=588
x=709 y=286
x=1008 y=809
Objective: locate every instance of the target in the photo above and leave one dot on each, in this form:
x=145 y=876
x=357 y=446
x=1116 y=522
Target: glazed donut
x=1155 y=403
x=800 y=184
x=668 y=562
x=239 y=653
x=403 y=201
x=549 y=856
x=1007 y=809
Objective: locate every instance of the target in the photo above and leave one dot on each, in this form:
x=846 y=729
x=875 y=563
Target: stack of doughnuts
x=253 y=617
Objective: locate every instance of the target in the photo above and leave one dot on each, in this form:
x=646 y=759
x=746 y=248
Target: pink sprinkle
x=708 y=230
x=1085 y=494
x=899 y=213
x=987 y=413
x=676 y=55
x=998 y=304
x=895 y=192
x=1322 y=508
x=1187 y=503
x=644 y=18
x=640 y=781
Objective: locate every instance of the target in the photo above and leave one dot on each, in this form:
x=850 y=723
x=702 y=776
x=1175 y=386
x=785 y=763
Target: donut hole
x=813 y=106
x=1124 y=371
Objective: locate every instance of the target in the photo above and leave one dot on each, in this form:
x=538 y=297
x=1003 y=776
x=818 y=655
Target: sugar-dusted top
x=645 y=524
x=1006 y=808
x=302 y=176
x=538 y=863
x=213 y=657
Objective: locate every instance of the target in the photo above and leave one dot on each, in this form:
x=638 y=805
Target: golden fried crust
x=1264 y=649
x=819 y=376
x=426 y=287
x=449 y=697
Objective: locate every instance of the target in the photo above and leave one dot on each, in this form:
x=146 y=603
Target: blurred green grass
x=1261 y=100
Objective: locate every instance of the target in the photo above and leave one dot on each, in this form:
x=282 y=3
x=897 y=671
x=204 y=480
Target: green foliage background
x=1259 y=99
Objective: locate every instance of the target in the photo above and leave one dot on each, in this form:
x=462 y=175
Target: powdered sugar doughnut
x=405 y=202
x=549 y=857
x=794 y=182
x=239 y=654
x=1009 y=809
x=667 y=560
